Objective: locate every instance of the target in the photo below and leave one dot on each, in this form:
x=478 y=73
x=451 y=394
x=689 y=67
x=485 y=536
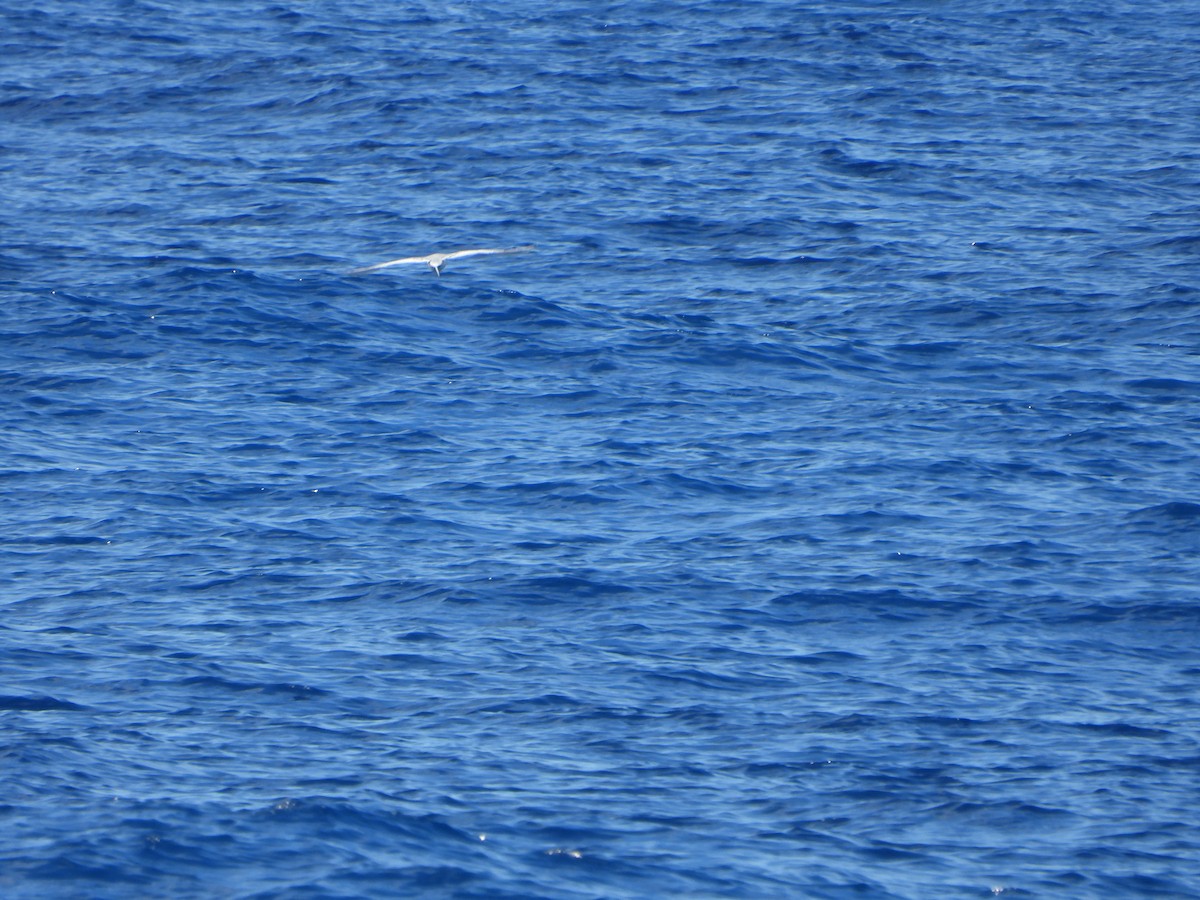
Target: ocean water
x=814 y=513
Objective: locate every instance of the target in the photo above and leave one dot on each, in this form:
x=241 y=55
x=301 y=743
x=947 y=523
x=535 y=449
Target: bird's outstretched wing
x=391 y=262
x=459 y=254
x=437 y=260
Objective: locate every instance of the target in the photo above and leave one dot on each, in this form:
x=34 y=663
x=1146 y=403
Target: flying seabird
x=437 y=260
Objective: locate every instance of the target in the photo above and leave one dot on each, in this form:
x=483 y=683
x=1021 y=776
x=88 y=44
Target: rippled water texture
x=813 y=514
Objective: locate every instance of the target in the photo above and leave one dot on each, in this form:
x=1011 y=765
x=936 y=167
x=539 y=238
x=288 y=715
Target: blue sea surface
x=814 y=513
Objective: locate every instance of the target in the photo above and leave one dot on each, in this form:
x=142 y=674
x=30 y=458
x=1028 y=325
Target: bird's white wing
x=391 y=262
x=459 y=254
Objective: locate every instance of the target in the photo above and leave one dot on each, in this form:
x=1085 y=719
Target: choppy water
x=814 y=514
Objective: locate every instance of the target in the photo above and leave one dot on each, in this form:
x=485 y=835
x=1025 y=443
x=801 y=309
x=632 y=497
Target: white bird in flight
x=437 y=260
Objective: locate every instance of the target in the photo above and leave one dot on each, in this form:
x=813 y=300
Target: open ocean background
x=816 y=512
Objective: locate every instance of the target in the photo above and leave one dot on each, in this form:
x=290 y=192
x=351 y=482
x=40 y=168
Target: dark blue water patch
x=1177 y=511
x=887 y=604
x=38 y=704
x=1165 y=390
x=294 y=691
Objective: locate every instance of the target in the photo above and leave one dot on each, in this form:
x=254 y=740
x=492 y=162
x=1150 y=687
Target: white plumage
x=437 y=260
